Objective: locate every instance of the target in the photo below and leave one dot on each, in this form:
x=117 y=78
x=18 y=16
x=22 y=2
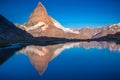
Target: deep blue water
x=76 y=63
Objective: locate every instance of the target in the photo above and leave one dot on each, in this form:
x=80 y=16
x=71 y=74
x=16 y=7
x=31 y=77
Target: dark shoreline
x=45 y=42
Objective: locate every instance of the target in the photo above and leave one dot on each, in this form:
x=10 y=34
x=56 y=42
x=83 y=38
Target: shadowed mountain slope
x=9 y=32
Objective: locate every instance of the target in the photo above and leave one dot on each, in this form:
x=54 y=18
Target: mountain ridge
x=40 y=24
x=52 y=28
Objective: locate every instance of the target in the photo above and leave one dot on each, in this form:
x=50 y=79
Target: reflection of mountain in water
x=40 y=56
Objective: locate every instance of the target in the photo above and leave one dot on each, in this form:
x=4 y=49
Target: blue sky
x=70 y=13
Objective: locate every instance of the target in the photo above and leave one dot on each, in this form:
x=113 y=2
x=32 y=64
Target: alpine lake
x=65 y=61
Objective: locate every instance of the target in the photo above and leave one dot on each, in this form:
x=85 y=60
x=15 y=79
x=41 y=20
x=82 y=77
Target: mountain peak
x=39 y=14
x=40 y=4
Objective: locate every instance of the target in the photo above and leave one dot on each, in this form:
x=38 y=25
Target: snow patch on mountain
x=40 y=24
x=118 y=25
x=58 y=25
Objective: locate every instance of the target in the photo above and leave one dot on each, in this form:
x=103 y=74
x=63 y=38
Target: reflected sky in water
x=69 y=61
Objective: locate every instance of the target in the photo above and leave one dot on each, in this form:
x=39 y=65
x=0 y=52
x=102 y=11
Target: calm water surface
x=69 y=61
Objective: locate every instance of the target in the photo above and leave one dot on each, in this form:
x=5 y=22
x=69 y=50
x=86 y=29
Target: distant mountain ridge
x=111 y=29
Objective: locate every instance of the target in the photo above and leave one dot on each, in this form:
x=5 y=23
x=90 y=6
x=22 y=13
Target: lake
x=66 y=61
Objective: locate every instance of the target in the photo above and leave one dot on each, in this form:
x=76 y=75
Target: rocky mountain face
x=91 y=31
x=41 y=24
x=39 y=15
x=9 y=32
